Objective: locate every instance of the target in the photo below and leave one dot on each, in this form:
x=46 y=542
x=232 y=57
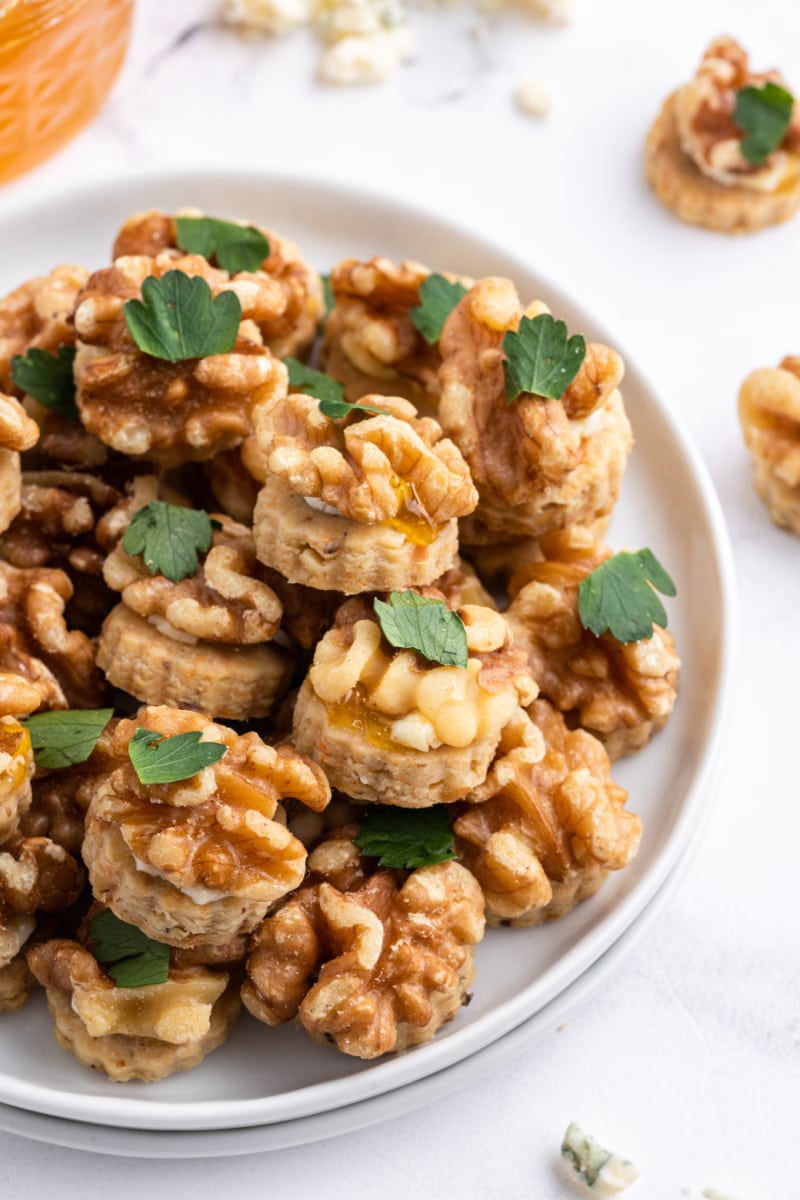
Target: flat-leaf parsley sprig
x=159 y=759
x=177 y=318
x=406 y=837
x=618 y=597
x=66 y=737
x=438 y=297
x=48 y=378
x=326 y=389
x=235 y=247
x=764 y=115
x=540 y=359
x=132 y=958
x=169 y=538
x=410 y=621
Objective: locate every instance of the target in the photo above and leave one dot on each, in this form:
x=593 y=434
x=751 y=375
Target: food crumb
x=591 y=1167
x=533 y=99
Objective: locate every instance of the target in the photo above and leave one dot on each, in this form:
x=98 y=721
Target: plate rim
x=320 y=1097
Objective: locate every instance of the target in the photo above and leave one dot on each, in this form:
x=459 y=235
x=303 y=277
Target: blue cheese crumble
x=599 y=1171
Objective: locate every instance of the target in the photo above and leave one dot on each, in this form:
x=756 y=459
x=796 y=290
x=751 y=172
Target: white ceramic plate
x=263 y=1076
x=221 y=1143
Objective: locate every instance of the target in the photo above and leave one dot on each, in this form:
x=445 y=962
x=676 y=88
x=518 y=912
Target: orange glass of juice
x=58 y=59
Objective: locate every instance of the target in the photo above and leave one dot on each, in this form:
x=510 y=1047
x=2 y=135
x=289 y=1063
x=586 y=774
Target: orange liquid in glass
x=58 y=59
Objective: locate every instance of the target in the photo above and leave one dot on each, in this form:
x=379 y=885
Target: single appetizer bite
x=122 y=1005
x=35 y=316
x=16 y=770
x=724 y=151
x=406 y=704
x=41 y=659
x=538 y=417
x=769 y=413
x=17 y=432
x=364 y=503
x=381 y=334
x=372 y=960
x=278 y=290
x=611 y=668
x=196 y=615
x=185 y=839
x=170 y=365
x=548 y=824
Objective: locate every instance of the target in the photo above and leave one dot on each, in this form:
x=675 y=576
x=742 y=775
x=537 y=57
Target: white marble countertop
x=689 y=1059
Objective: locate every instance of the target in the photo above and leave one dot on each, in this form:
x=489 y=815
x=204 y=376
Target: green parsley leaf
x=406 y=837
x=618 y=597
x=168 y=538
x=48 y=378
x=159 y=759
x=540 y=361
x=177 y=318
x=763 y=114
x=235 y=247
x=65 y=737
x=324 y=388
x=327 y=294
x=438 y=297
x=134 y=959
x=413 y=622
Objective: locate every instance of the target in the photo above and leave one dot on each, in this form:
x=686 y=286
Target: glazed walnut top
x=704 y=110
x=37 y=315
x=226 y=600
x=167 y=412
x=516 y=451
x=283 y=298
x=769 y=411
x=221 y=830
x=372 y=469
x=424 y=705
x=362 y=956
x=608 y=686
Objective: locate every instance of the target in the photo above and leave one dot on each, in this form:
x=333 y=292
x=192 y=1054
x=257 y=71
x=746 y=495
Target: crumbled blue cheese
x=600 y=1171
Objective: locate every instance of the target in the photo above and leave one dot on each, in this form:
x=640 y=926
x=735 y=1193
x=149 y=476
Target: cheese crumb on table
x=533 y=98
x=597 y=1170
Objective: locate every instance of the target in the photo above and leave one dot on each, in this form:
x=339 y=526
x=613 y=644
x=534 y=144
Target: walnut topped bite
x=198 y=858
x=366 y=502
x=724 y=152
x=540 y=461
x=769 y=414
x=411 y=726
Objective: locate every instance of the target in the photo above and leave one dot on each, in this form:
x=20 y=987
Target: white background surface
x=689 y=1061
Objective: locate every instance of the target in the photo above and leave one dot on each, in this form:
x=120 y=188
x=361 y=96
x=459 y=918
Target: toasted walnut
x=390 y=727
x=16 y=984
x=283 y=298
x=548 y=824
x=371 y=343
x=200 y=860
x=36 y=875
x=538 y=464
x=461 y=585
x=16 y=769
x=17 y=432
x=694 y=161
x=37 y=647
x=769 y=413
x=37 y=315
x=621 y=692
x=375 y=968
x=224 y=601
x=142 y=1033
x=146 y=407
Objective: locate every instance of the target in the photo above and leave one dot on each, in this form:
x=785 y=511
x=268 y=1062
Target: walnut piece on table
x=39 y=655
x=694 y=160
x=36 y=315
x=769 y=414
x=370 y=342
x=283 y=298
x=374 y=968
x=144 y=1033
x=623 y=693
x=538 y=464
x=548 y=824
x=167 y=412
x=198 y=861
x=387 y=726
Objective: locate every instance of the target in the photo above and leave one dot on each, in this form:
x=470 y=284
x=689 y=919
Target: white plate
x=263 y=1076
x=220 y=1143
